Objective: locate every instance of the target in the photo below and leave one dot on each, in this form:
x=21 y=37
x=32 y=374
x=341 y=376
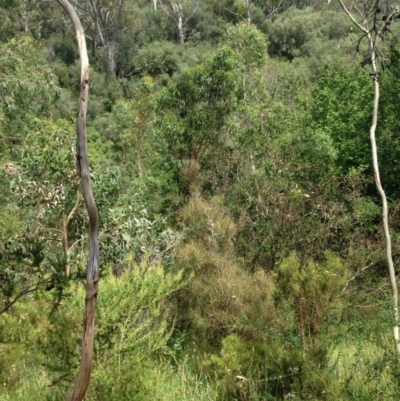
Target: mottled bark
x=82 y=170
x=66 y=221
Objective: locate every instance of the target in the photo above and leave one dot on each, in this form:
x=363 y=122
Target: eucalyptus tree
x=373 y=19
x=82 y=171
x=19 y=16
x=180 y=13
x=103 y=21
x=191 y=115
x=28 y=91
x=250 y=11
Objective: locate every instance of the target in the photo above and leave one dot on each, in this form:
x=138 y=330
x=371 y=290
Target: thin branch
x=11 y=138
x=59 y=378
x=138 y=69
x=387 y=22
x=350 y=15
x=191 y=15
x=355 y=276
x=28 y=290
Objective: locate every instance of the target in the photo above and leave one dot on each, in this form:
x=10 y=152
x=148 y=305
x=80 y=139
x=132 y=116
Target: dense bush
x=240 y=231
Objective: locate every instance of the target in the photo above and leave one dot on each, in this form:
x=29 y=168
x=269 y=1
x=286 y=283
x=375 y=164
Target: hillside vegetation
x=241 y=238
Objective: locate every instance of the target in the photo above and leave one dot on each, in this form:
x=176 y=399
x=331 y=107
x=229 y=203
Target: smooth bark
x=104 y=20
x=382 y=194
x=248 y=12
x=374 y=36
x=82 y=170
x=175 y=12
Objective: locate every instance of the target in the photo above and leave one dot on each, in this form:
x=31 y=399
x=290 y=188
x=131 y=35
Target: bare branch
x=350 y=15
x=191 y=15
x=355 y=276
x=27 y=290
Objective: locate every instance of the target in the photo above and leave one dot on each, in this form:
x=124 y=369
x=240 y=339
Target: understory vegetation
x=241 y=237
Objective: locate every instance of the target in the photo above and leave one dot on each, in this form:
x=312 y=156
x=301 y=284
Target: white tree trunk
x=374 y=36
x=382 y=194
x=248 y=12
x=180 y=31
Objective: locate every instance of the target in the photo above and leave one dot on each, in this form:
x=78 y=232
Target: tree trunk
x=66 y=221
x=248 y=12
x=374 y=35
x=138 y=152
x=82 y=170
x=180 y=30
x=25 y=16
x=382 y=194
x=110 y=59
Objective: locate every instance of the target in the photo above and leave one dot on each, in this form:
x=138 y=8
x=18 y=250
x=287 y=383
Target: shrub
x=314 y=291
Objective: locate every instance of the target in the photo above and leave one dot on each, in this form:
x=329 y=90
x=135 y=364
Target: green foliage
x=314 y=291
x=129 y=230
x=134 y=322
x=242 y=175
x=365 y=372
x=222 y=295
x=46 y=171
x=272 y=200
x=342 y=109
x=272 y=368
x=249 y=42
x=28 y=86
x=27 y=352
x=191 y=112
x=7 y=23
x=133 y=120
x=18 y=16
x=296 y=32
x=166 y=383
x=41 y=192
x=388 y=126
x=238 y=366
x=335 y=112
